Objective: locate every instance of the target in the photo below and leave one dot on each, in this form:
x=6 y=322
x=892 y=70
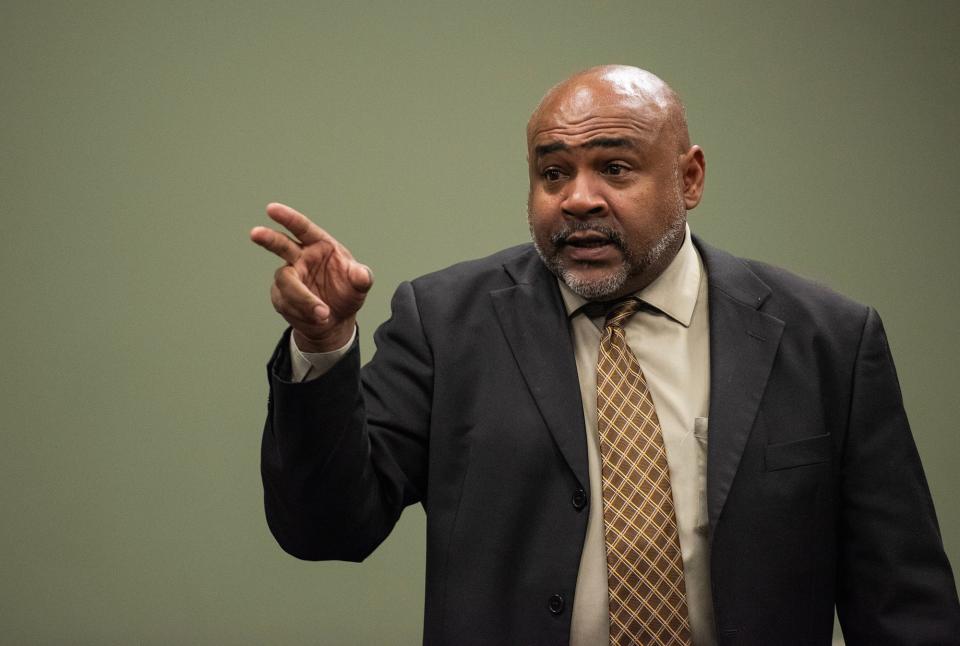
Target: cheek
x=639 y=211
x=540 y=229
x=639 y=231
x=542 y=211
x=539 y=200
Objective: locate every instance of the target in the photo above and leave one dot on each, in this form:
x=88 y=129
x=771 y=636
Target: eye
x=552 y=174
x=615 y=169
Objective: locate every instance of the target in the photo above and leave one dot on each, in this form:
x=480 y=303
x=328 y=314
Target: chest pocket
x=798 y=453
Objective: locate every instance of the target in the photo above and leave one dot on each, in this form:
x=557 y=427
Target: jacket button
x=579 y=499
x=555 y=604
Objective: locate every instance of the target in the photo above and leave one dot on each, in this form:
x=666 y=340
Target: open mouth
x=589 y=246
x=587 y=239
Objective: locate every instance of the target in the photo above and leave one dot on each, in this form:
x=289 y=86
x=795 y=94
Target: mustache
x=614 y=237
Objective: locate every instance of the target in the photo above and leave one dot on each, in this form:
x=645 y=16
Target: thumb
x=361 y=278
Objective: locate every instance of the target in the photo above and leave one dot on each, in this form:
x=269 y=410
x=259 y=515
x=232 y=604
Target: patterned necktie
x=644 y=567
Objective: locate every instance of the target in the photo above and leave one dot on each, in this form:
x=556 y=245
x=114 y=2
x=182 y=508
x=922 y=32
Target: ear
x=693 y=169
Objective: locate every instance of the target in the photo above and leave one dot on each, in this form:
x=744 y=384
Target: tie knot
x=618 y=315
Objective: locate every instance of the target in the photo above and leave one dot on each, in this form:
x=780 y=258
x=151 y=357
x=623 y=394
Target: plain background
x=140 y=142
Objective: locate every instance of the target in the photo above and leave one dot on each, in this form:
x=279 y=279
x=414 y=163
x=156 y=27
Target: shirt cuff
x=307 y=366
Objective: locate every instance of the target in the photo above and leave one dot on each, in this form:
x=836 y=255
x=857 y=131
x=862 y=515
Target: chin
x=594 y=286
x=587 y=282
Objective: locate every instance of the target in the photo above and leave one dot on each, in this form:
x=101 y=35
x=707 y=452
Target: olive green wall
x=140 y=142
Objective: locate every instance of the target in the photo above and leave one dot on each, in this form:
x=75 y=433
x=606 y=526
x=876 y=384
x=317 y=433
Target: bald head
x=612 y=88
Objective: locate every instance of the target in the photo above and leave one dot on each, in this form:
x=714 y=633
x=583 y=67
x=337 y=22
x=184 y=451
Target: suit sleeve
x=894 y=584
x=343 y=454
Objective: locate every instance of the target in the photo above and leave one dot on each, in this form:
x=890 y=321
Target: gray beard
x=606 y=286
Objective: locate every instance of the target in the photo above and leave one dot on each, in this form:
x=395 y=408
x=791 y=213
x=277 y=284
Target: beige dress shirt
x=672 y=347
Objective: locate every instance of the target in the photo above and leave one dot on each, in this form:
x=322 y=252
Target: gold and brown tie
x=644 y=568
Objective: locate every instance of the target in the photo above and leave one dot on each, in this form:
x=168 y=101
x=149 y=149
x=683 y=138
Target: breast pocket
x=798 y=453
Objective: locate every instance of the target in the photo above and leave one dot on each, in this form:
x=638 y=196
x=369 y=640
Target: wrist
x=329 y=342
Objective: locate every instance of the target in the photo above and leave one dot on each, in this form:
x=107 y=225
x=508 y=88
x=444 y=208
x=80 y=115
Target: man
x=619 y=434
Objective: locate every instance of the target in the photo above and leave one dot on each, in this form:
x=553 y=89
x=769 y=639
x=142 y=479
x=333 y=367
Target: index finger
x=277 y=243
x=296 y=223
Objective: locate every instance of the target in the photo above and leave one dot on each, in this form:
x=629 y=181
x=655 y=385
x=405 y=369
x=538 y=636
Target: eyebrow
x=599 y=142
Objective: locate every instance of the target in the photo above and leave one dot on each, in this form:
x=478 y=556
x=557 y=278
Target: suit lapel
x=534 y=321
x=743 y=344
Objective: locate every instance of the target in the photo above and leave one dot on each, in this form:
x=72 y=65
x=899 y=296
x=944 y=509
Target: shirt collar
x=674 y=292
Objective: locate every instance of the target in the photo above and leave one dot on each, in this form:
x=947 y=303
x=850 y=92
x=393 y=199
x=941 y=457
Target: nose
x=582 y=198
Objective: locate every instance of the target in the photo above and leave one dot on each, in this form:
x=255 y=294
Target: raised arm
x=340 y=459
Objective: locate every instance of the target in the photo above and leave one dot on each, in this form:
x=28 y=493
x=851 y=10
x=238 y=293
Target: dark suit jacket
x=471 y=407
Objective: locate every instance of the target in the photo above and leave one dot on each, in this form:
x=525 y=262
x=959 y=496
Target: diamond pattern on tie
x=644 y=566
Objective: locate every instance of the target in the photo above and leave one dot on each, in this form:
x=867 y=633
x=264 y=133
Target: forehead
x=576 y=116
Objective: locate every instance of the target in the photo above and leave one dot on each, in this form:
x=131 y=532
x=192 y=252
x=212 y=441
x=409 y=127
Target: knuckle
x=282 y=275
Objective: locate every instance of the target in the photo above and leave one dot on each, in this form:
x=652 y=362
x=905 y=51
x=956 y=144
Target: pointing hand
x=320 y=288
